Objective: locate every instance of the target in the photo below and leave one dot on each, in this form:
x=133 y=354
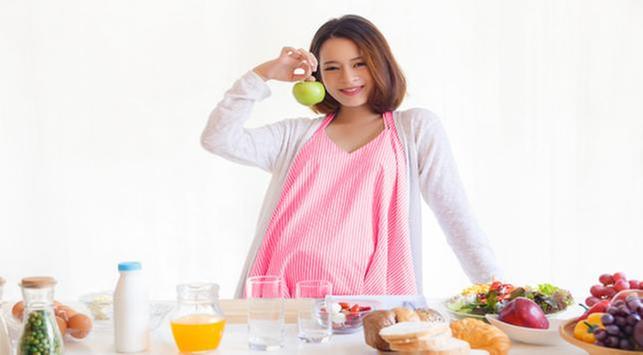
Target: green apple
x=309 y=93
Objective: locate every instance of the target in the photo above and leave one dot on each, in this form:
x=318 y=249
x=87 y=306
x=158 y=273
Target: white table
x=235 y=341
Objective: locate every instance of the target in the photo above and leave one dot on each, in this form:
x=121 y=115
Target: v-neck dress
x=343 y=217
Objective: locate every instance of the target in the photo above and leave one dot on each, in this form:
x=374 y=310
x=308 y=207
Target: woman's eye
x=360 y=64
x=330 y=68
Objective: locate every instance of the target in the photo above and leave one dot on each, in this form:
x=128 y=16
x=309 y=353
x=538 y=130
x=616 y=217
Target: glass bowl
x=347 y=316
x=101 y=307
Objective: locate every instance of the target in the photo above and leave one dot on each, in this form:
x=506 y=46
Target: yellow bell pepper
x=584 y=329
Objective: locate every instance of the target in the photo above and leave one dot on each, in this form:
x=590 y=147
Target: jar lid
x=129 y=266
x=38 y=282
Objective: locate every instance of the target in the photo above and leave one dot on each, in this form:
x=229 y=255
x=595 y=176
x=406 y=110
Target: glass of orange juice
x=197 y=323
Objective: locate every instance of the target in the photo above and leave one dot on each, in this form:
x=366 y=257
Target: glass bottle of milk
x=131 y=310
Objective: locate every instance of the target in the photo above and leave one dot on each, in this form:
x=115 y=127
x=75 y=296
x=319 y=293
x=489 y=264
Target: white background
x=102 y=104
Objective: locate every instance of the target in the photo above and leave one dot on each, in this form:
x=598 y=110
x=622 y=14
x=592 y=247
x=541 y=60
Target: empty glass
x=265 y=312
x=313 y=318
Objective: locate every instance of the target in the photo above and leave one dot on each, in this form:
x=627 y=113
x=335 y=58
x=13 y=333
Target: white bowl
x=547 y=336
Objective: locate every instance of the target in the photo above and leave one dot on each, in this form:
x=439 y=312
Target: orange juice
x=197 y=332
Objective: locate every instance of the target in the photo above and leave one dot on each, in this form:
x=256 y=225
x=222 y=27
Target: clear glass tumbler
x=313 y=317
x=265 y=312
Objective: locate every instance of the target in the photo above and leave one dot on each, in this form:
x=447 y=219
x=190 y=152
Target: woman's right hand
x=283 y=68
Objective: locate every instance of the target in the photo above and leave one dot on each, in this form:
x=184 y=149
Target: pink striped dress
x=343 y=217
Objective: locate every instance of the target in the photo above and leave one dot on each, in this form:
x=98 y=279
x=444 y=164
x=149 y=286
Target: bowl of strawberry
x=347 y=317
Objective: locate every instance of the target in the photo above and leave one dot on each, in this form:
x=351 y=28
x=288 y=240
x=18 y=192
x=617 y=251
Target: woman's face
x=344 y=72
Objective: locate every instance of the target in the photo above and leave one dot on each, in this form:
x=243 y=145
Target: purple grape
x=612 y=310
x=640 y=311
x=599 y=343
x=633 y=305
x=607 y=319
x=638 y=333
x=612 y=341
x=612 y=330
x=625 y=344
x=618 y=303
x=620 y=321
x=633 y=318
x=623 y=311
x=600 y=334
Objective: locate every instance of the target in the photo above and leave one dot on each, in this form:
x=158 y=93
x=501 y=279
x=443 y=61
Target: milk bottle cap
x=129 y=266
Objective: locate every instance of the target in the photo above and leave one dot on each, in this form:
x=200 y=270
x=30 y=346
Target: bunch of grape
x=623 y=325
x=611 y=284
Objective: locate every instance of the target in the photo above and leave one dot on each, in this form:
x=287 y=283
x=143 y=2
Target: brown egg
x=64 y=312
x=62 y=325
x=18 y=309
x=79 y=326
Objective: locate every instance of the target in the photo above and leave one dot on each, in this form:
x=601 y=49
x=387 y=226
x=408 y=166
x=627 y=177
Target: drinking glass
x=265 y=312
x=313 y=316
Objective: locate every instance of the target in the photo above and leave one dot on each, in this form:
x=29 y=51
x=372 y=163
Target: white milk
x=131 y=310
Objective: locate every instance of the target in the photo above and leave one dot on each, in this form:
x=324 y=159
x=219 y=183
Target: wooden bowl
x=566 y=331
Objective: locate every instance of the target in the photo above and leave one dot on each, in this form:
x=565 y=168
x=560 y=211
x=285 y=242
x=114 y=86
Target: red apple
x=524 y=312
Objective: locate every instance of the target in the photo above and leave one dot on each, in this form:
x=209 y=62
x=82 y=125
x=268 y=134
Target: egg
x=79 y=326
x=65 y=312
x=62 y=325
x=18 y=309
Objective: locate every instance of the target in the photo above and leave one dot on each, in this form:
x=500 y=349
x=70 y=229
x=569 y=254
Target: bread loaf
x=375 y=321
x=403 y=314
x=423 y=337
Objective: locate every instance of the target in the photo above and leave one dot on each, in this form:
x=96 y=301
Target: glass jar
x=5 y=342
x=40 y=334
x=197 y=322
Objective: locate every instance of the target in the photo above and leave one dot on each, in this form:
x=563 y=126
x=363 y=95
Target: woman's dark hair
x=390 y=84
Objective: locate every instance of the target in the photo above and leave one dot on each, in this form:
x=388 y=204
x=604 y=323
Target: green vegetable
x=40 y=335
x=547 y=289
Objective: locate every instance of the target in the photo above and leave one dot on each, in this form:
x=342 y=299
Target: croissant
x=481 y=335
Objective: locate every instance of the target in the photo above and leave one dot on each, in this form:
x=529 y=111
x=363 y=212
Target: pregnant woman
x=344 y=201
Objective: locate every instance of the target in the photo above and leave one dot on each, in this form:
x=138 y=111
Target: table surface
x=235 y=340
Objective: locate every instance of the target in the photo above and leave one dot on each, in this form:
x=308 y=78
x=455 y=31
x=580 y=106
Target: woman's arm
x=225 y=134
x=443 y=191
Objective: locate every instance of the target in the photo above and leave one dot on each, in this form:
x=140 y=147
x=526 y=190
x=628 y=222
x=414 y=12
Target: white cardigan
x=432 y=172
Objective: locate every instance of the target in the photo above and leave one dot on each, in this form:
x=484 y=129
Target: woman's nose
x=349 y=76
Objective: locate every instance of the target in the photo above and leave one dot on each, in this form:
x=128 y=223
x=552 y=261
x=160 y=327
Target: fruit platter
x=611 y=325
x=489 y=298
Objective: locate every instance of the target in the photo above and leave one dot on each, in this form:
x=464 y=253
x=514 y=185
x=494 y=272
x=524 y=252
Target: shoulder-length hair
x=390 y=84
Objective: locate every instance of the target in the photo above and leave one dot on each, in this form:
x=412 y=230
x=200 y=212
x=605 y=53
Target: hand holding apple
x=291 y=65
